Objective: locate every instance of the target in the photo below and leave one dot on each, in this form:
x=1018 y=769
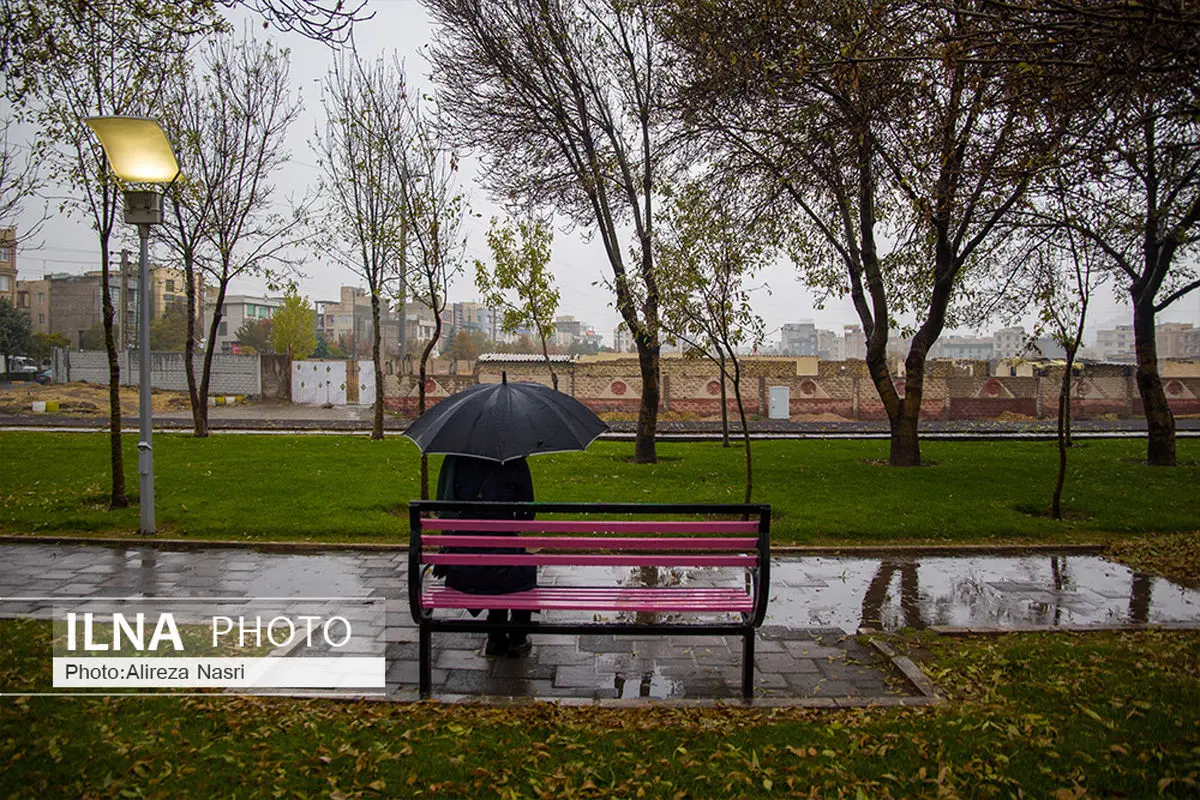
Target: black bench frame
x=427 y=622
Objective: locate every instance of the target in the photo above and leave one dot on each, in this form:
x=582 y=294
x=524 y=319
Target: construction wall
x=230 y=374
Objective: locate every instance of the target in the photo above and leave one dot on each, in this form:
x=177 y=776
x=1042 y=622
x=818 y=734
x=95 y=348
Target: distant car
x=21 y=368
x=45 y=377
x=21 y=364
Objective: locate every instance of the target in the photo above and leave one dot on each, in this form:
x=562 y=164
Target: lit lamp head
x=138 y=152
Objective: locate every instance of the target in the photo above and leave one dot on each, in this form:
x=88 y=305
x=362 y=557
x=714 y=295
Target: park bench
x=567 y=535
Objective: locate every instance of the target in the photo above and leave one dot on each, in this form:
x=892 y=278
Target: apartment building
x=235 y=312
x=8 y=265
x=33 y=297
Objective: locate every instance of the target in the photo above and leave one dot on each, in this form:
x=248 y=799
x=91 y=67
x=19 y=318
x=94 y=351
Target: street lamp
x=138 y=153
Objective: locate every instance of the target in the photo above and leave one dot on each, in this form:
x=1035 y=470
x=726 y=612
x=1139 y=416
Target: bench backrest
x=590 y=536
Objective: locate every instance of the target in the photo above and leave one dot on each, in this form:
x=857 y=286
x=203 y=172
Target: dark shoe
x=519 y=647
x=497 y=645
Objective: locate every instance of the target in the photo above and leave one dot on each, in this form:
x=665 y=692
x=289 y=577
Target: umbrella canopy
x=503 y=421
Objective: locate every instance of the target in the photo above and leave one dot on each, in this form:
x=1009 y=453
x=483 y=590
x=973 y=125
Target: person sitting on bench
x=471 y=478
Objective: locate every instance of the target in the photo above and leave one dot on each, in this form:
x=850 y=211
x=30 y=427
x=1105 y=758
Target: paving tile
x=561 y=655
x=585 y=677
x=811 y=650
x=459 y=659
x=465 y=681
x=795 y=660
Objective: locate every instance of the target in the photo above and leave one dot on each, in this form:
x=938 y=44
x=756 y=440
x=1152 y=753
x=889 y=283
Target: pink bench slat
x=518 y=559
x=588 y=526
x=594 y=542
x=550 y=599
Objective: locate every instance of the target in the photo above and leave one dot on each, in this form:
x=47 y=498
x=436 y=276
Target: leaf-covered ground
x=1036 y=715
x=1171 y=555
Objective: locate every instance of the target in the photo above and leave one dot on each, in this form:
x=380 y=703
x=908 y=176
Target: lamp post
x=138 y=153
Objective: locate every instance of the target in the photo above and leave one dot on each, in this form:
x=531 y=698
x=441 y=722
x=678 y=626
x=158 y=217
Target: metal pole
x=145 y=421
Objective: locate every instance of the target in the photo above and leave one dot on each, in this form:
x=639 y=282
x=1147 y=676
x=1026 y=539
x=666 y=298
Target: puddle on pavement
x=1009 y=591
x=957 y=591
x=651 y=683
x=1042 y=589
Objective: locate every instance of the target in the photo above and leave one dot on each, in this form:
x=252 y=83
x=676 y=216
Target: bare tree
x=105 y=62
x=564 y=98
x=234 y=142
x=1063 y=271
x=188 y=218
x=707 y=253
x=434 y=209
x=329 y=21
x=1145 y=215
x=365 y=224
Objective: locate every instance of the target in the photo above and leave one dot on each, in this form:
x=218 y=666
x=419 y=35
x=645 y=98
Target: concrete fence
x=230 y=374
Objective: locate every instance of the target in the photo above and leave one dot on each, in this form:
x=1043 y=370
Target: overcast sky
x=401 y=26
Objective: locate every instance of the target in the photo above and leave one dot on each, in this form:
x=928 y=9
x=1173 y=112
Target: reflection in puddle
x=917 y=592
x=994 y=591
x=652 y=683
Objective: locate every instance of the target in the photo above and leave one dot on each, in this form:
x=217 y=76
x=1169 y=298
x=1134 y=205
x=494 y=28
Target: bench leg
x=425 y=666
x=748 y=666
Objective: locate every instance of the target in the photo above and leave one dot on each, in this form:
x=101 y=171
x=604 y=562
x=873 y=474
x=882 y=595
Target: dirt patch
x=85 y=399
x=1012 y=416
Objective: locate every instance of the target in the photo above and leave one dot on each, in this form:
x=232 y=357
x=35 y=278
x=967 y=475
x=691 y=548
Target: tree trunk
x=905 y=450
x=549 y=363
x=725 y=411
x=1064 y=432
x=199 y=421
x=377 y=424
x=1160 y=422
x=437 y=334
x=118 y=498
x=737 y=394
x=644 y=451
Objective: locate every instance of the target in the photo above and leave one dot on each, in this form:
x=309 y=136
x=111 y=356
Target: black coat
x=468 y=478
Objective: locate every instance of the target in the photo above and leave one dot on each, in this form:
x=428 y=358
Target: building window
x=41 y=319
x=221 y=329
x=5 y=253
x=3 y=283
x=41 y=298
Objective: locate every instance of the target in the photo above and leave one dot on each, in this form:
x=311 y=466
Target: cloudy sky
x=401 y=26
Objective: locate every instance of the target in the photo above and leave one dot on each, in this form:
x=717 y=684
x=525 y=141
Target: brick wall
x=953 y=389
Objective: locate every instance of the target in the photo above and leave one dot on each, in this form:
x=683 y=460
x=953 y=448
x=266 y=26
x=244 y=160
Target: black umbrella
x=503 y=421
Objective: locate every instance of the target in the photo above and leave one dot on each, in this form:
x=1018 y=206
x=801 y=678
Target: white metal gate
x=319 y=382
x=366 y=383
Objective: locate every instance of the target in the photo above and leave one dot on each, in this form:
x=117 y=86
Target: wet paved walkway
x=806 y=653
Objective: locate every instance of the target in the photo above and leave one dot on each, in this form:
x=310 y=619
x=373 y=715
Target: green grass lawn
x=351 y=489
x=1035 y=715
